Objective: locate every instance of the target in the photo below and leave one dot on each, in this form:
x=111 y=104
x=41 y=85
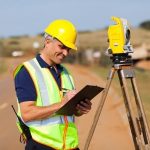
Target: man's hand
x=68 y=96
x=83 y=107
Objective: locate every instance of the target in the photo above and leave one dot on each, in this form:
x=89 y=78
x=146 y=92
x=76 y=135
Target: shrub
x=145 y=25
x=105 y=60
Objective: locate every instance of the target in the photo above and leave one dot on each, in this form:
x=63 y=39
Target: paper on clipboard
x=88 y=92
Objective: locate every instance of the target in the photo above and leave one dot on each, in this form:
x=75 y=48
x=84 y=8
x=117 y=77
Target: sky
x=30 y=17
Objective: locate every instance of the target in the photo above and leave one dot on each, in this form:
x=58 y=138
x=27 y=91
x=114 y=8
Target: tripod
x=137 y=120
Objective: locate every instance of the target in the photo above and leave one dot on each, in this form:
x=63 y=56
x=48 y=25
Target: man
x=40 y=85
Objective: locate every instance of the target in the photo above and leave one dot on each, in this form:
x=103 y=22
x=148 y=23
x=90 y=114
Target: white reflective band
x=42 y=84
x=49 y=121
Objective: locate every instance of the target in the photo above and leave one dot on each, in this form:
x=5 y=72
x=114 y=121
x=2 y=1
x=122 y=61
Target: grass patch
x=143 y=83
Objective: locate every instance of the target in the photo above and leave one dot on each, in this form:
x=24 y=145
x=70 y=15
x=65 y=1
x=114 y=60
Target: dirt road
x=112 y=131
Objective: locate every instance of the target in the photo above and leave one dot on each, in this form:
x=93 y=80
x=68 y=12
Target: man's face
x=56 y=51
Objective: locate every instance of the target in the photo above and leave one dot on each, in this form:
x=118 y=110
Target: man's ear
x=47 y=41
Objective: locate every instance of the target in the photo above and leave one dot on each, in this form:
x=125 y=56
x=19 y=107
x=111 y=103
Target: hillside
x=89 y=39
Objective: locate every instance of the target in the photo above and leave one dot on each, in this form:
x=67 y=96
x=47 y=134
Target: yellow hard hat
x=64 y=31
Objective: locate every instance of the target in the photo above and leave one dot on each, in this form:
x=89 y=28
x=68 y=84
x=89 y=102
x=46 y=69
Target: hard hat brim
x=70 y=45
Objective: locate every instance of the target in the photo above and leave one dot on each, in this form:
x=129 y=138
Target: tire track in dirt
x=112 y=131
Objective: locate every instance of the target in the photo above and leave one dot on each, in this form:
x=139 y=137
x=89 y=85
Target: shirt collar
x=43 y=64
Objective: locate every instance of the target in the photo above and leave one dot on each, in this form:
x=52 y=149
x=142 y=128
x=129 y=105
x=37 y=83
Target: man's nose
x=65 y=52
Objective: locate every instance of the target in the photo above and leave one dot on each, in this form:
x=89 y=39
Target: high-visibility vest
x=57 y=131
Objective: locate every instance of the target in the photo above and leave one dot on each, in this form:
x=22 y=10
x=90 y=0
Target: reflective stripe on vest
x=40 y=78
x=52 y=131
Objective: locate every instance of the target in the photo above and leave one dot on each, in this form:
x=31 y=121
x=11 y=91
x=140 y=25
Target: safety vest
x=57 y=131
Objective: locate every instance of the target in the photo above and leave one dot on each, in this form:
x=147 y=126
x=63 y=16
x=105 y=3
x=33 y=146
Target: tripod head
x=121 y=59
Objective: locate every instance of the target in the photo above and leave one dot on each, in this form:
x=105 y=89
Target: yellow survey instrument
x=119 y=37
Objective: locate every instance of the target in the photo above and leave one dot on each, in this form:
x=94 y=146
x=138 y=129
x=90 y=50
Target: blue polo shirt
x=25 y=89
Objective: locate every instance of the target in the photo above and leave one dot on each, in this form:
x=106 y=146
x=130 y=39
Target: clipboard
x=87 y=92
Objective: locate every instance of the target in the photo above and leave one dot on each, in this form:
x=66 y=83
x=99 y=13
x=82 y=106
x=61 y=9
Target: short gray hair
x=47 y=36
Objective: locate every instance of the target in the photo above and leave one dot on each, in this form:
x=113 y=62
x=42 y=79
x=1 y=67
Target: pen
x=64 y=90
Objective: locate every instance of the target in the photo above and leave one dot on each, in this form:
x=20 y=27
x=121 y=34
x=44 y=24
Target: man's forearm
x=31 y=112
